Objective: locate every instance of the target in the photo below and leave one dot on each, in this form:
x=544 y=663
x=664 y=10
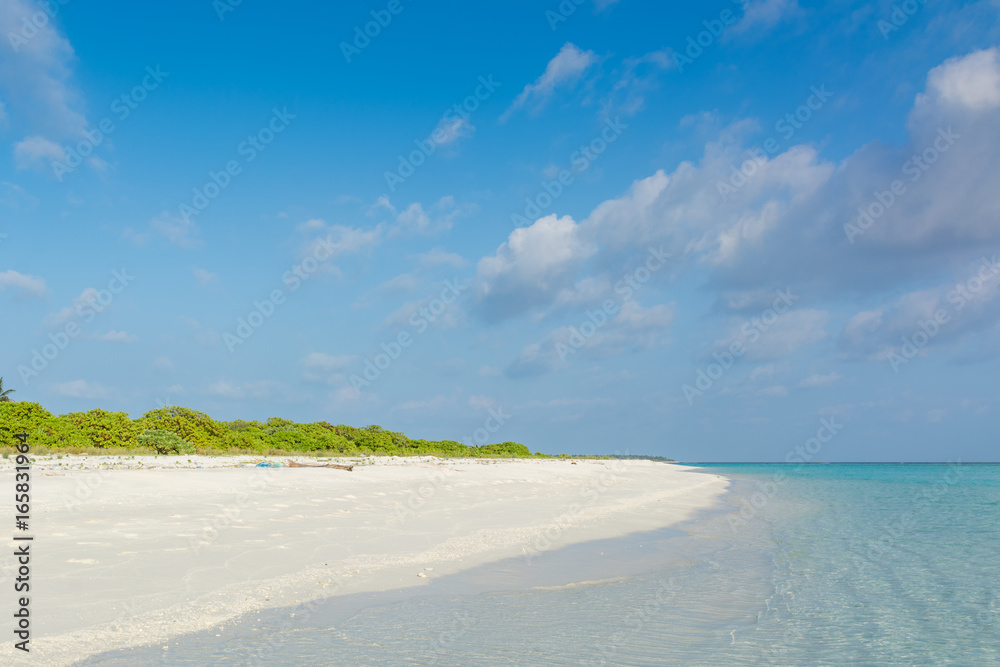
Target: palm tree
x=5 y=395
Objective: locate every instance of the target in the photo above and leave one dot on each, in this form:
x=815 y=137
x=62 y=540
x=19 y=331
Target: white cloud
x=33 y=152
x=82 y=389
x=816 y=381
x=481 y=402
x=116 y=337
x=327 y=362
x=204 y=276
x=163 y=365
x=429 y=404
x=86 y=298
x=440 y=218
x=404 y=282
x=440 y=257
x=326 y=368
x=639 y=77
x=178 y=231
x=790 y=332
x=237 y=391
x=760 y=16
x=16 y=197
x=786 y=224
x=531 y=267
x=972 y=81
x=773 y=392
x=564 y=70
x=632 y=328
x=948 y=313
x=450 y=130
x=23 y=284
x=36 y=73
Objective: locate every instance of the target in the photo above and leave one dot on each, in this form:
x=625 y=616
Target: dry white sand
x=130 y=551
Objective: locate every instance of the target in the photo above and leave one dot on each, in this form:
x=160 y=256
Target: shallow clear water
x=803 y=565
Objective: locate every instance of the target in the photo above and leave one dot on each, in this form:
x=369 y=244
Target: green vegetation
x=165 y=442
x=177 y=430
x=5 y=394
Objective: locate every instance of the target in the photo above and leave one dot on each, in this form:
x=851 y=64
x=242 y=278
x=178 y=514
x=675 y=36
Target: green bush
x=196 y=427
x=182 y=430
x=165 y=442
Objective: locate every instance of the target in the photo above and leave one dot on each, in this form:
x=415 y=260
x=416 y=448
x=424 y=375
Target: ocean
x=799 y=564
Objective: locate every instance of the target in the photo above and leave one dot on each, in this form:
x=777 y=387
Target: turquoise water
x=840 y=564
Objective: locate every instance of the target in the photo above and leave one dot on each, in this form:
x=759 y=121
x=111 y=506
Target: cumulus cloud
x=531 y=267
x=37 y=152
x=632 y=328
x=564 y=71
x=971 y=82
x=326 y=368
x=761 y=16
x=939 y=315
x=22 y=284
x=82 y=389
x=789 y=221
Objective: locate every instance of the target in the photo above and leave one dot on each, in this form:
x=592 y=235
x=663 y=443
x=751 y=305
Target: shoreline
x=149 y=555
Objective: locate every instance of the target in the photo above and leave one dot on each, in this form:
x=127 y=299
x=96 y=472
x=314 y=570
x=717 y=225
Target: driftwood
x=293 y=464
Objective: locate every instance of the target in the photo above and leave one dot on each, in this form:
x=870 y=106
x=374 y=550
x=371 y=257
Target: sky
x=720 y=231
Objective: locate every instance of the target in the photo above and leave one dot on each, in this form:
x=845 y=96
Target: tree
x=5 y=395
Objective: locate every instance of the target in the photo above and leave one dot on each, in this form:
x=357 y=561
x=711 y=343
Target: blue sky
x=723 y=231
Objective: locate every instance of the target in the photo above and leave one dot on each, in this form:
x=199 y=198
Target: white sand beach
x=130 y=551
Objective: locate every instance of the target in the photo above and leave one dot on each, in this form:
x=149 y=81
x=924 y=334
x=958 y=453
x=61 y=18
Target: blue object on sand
x=268 y=464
